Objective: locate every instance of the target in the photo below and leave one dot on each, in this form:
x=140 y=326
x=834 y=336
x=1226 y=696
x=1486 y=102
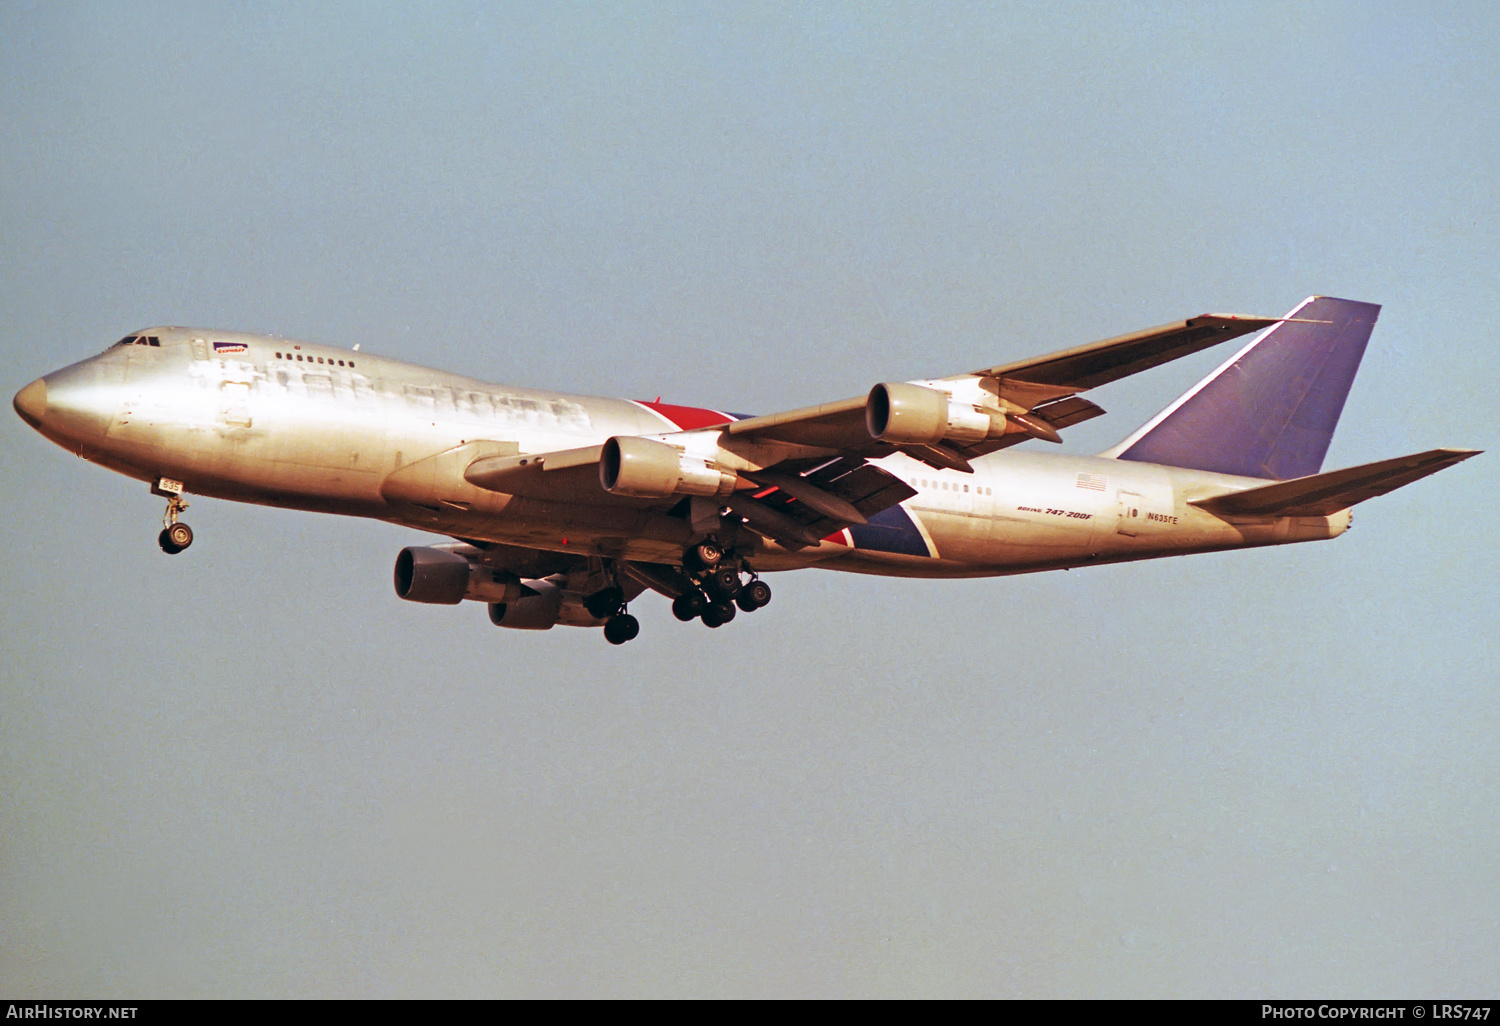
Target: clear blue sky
x=251 y=770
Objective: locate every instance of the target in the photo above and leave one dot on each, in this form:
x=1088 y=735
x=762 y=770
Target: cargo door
x=1130 y=511
x=1148 y=514
x=234 y=403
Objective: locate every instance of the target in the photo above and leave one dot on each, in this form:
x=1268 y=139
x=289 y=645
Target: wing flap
x=809 y=494
x=794 y=522
x=1066 y=412
x=1323 y=494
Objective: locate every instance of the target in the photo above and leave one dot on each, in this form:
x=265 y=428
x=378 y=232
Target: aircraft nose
x=31 y=402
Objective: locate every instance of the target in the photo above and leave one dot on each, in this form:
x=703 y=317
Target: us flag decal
x=1093 y=482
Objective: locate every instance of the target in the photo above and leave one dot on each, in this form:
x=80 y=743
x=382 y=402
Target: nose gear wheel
x=174 y=536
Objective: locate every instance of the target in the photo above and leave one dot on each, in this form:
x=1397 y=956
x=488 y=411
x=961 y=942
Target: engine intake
x=906 y=414
x=643 y=468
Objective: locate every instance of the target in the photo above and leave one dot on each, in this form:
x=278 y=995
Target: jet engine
x=905 y=414
x=447 y=578
x=646 y=469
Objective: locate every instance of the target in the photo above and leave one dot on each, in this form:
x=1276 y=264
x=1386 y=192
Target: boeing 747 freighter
x=562 y=509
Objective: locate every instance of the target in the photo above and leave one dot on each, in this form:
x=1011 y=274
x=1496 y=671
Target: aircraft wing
x=803 y=475
x=1041 y=392
x=1098 y=363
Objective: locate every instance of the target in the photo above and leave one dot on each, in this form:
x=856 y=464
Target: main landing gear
x=608 y=605
x=620 y=628
x=174 y=536
x=718 y=589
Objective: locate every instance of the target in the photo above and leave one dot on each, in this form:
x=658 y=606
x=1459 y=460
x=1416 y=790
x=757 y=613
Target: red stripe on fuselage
x=687 y=417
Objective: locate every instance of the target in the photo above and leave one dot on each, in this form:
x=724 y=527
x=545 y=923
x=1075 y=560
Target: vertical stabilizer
x=1271 y=410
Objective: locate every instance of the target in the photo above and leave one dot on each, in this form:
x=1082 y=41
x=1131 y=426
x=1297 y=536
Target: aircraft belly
x=562 y=527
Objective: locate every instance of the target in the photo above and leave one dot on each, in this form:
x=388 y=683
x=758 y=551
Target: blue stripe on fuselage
x=890 y=530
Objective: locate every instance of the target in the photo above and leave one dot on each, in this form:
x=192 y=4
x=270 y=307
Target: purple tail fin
x=1271 y=410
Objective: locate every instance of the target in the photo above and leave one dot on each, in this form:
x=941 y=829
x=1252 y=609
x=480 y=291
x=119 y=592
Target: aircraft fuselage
x=312 y=427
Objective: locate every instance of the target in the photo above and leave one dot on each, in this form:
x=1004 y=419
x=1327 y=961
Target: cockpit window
x=152 y=340
x=128 y=340
x=139 y=340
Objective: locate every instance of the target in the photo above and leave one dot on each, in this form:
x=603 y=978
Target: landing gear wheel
x=753 y=596
x=175 y=538
x=723 y=583
x=708 y=553
x=620 y=629
x=605 y=602
x=687 y=606
x=717 y=614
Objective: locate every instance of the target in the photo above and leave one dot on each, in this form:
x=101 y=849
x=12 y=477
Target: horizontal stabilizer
x=1323 y=494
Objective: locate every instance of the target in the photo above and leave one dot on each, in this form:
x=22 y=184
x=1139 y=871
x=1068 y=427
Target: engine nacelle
x=643 y=468
x=906 y=414
x=446 y=578
x=547 y=607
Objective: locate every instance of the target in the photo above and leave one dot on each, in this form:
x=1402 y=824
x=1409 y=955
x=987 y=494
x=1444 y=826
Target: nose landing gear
x=174 y=536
